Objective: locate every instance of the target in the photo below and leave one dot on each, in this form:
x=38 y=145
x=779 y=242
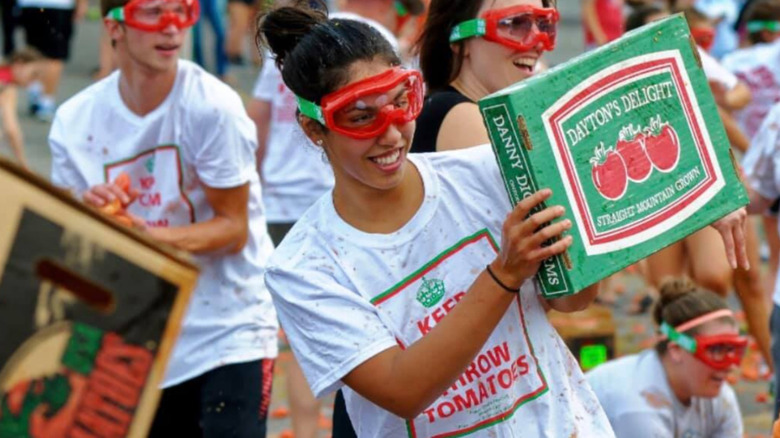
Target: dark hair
x=24 y=56
x=439 y=62
x=681 y=300
x=763 y=10
x=314 y=53
x=693 y=15
x=107 y=5
x=638 y=17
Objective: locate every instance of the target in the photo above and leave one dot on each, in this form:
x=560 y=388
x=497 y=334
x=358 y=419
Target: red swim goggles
x=366 y=108
x=512 y=27
x=720 y=352
x=704 y=37
x=156 y=15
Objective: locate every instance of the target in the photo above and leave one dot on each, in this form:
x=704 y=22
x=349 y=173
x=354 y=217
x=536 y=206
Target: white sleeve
x=760 y=161
x=64 y=173
x=224 y=140
x=268 y=80
x=716 y=72
x=331 y=328
x=730 y=419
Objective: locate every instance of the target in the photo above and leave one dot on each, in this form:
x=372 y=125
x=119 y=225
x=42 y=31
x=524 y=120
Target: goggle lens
x=520 y=27
x=156 y=15
x=720 y=352
x=367 y=114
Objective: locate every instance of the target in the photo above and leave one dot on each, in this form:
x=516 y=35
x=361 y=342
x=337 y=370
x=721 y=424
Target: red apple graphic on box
x=609 y=173
x=662 y=144
x=631 y=147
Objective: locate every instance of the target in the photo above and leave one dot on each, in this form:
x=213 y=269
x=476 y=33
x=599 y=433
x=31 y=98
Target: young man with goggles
x=679 y=387
x=521 y=27
x=188 y=146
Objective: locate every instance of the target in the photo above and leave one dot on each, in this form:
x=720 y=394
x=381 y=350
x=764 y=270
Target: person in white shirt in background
x=383 y=16
x=48 y=27
x=294 y=174
x=758 y=65
x=678 y=388
x=762 y=167
x=698 y=255
x=185 y=141
x=723 y=14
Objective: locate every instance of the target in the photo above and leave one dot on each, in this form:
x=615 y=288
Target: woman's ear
x=460 y=49
x=312 y=128
x=114 y=29
x=675 y=352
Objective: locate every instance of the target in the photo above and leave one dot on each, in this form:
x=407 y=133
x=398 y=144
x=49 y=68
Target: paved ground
x=634 y=331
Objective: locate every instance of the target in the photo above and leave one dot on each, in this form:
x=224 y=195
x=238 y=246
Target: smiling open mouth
x=387 y=159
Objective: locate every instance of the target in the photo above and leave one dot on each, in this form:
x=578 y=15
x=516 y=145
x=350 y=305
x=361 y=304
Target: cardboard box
x=629 y=140
x=89 y=312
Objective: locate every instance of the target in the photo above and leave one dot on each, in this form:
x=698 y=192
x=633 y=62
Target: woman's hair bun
x=280 y=29
x=670 y=291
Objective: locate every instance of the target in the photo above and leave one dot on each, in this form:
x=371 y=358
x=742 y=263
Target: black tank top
x=435 y=109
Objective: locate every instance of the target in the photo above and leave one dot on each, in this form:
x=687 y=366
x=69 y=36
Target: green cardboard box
x=629 y=139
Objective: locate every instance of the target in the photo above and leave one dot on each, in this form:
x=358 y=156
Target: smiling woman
x=414 y=268
x=469 y=49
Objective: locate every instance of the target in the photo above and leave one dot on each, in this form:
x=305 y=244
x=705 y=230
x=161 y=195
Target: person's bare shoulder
x=462 y=127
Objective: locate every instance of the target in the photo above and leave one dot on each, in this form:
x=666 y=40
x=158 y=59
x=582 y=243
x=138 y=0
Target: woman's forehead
x=719 y=327
x=360 y=70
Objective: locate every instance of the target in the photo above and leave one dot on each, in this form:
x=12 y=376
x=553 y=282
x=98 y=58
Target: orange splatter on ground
x=762 y=397
x=324 y=423
x=750 y=366
x=280 y=412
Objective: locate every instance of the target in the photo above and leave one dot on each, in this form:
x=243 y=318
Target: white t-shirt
x=373 y=23
x=344 y=295
x=715 y=71
x=199 y=134
x=295 y=172
x=762 y=165
x=636 y=395
x=758 y=67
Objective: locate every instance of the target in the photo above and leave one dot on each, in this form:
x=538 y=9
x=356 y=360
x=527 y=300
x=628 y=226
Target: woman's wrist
x=504 y=279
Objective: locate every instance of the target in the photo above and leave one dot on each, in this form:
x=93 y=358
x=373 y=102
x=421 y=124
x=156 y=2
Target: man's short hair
x=25 y=56
x=107 y=5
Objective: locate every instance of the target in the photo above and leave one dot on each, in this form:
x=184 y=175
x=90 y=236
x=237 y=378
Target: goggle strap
x=400 y=9
x=688 y=343
x=116 y=14
x=759 y=25
x=468 y=29
x=310 y=109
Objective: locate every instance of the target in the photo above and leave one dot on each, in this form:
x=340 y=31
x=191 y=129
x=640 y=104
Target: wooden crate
x=89 y=313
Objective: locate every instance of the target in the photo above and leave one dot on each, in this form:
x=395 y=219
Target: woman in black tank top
x=461 y=72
